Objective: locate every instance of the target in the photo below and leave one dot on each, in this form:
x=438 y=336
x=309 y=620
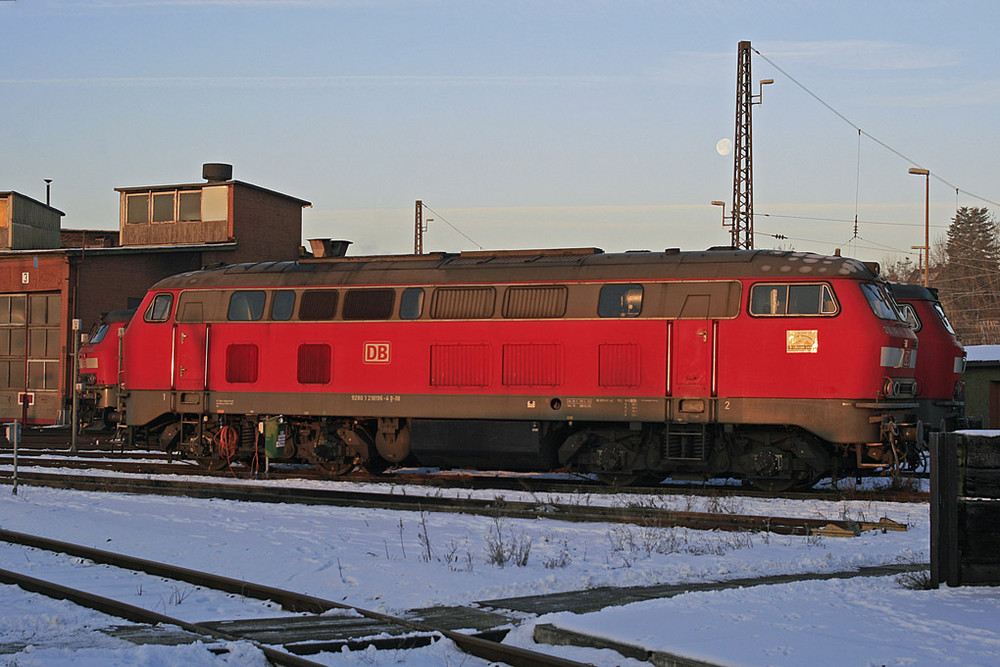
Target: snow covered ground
x=394 y=561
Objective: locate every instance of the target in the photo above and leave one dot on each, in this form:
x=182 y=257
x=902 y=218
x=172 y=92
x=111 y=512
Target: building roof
x=123 y=250
x=982 y=354
x=198 y=186
x=31 y=199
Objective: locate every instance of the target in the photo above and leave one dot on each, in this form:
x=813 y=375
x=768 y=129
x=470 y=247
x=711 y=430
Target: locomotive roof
x=913 y=291
x=575 y=264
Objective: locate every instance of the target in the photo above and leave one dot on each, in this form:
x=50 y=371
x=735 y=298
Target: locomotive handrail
x=173 y=357
x=208 y=333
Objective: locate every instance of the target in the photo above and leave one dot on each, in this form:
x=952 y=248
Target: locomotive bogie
x=770 y=365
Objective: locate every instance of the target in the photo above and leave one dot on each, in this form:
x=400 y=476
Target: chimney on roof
x=328 y=247
x=215 y=172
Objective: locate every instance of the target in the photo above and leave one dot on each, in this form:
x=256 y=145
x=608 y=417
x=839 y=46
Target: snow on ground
x=394 y=561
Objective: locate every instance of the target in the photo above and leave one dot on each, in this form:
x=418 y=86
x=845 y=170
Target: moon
x=724 y=147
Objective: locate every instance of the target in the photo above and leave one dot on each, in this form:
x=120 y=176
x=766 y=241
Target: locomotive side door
x=190 y=355
x=691 y=358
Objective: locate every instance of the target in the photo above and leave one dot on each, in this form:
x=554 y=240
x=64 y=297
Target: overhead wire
x=445 y=221
x=861 y=131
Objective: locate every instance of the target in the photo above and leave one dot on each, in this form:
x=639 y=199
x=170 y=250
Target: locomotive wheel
x=332 y=468
x=618 y=478
x=211 y=464
x=773 y=484
x=375 y=466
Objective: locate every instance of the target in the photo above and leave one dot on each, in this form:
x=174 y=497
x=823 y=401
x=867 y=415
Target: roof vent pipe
x=214 y=172
x=328 y=247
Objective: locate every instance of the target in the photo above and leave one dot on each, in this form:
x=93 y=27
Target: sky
x=519 y=123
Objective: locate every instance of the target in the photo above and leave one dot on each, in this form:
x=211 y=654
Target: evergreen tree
x=969 y=282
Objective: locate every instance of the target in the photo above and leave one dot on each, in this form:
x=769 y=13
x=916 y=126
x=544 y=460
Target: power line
x=445 y=221
x=867 y=134
x=867 y=222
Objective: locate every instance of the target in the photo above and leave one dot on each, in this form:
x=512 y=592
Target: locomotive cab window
x=283 y=305
x=944 y=318
x=246 y=306
x=792 y=299
x=411 y=304
x=620 y=301
x=159 y=309
x=910 y=315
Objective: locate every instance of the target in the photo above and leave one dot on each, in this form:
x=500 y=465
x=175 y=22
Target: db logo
x=377 y=353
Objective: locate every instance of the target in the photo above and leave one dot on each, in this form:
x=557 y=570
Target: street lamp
x=759 y=97
x=716 y=202
x=926 y=173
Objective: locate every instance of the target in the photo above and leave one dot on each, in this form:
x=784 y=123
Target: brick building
x=163 y=230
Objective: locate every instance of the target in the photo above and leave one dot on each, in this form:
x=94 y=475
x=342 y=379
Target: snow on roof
x=982 y=353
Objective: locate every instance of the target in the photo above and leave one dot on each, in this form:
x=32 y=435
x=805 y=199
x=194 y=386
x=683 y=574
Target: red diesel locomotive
x=779 y=367
x=941 y=362
x=101 y=372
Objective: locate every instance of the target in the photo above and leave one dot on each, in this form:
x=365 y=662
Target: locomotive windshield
x=99 y=334
x=881 y=303
x=944 y=318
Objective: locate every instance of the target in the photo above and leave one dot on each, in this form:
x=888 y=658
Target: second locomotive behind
x=779 y=367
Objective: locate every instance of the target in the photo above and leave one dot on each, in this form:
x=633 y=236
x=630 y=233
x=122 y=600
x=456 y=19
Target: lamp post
x=723 y=205
x=926 y=173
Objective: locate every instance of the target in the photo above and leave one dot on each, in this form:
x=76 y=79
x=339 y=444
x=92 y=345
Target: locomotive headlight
x=887 y=387
x=959 y=390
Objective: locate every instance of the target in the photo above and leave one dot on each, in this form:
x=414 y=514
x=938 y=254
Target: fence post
x=944 y=509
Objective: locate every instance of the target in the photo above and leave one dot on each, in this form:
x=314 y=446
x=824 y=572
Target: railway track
x=643 y=516
x=51 y=453
x=311 y=630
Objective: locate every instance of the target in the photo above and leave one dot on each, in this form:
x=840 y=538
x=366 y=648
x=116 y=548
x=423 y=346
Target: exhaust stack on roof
x=328 y=247
x=217 y=171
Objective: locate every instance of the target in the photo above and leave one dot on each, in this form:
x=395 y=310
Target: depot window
x=137 y=209
x=163 y=206
x=620 y=301
x=792 y=299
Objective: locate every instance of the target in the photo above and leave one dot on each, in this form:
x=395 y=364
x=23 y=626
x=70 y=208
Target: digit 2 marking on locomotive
x=377 y=353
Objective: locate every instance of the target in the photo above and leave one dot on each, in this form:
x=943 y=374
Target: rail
x=290 y=600
x=644 y=516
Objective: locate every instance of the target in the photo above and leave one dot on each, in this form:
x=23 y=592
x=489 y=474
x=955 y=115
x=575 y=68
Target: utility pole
x=418 y=229
x=742 y=213
x=742 y=229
